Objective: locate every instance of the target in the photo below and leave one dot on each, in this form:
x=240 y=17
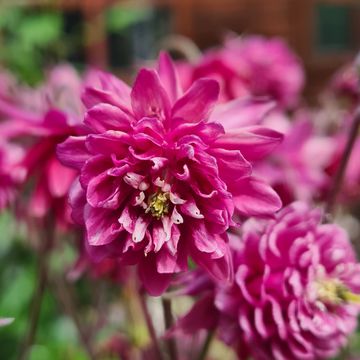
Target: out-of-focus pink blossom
x=297 y=168
x=295 y=290
x=40 y=119
x=252 y=66
x=160 y=177
x=107 y=268
x=345 y=85
x=10 y=174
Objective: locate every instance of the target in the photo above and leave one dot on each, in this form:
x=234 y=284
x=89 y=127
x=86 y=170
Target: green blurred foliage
x=119 y=18
x=29 y=41
x=56 y=336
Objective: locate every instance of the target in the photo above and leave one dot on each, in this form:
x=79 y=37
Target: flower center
x=158 y=204
x=334 y=292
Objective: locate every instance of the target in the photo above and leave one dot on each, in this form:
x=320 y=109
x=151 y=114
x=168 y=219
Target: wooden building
x=324 y=33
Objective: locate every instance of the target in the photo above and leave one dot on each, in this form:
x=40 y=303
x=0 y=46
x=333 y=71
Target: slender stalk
x=35 y=308
x=206 y=346
x=150 y=325
x=47 y=240
x=66 y=297
x=168 y=317
x=339 y=176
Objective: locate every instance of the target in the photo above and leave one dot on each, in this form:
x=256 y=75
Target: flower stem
x=206 y=346
x=35 y=308
x=170 y=342
x=339 y=176
x=46 y=243
x=150 y=325
x=66 y=297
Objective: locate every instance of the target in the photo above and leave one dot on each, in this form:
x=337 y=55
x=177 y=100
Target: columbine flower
x=45 y=117
x=159 y=178
x=295 y=288
x=252 y=65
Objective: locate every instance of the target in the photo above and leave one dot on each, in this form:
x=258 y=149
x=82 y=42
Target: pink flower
x=160 y=179
x=107 y=268
x=345 y=84
x=253 y=66
x=10 y=175
x=293 y=295
x=297 y=168
x=44 y=117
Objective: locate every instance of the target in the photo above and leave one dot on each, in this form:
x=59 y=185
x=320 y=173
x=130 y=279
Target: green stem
x=206 y=346
x=171 y=344
x=150 y=325
x=340 y=173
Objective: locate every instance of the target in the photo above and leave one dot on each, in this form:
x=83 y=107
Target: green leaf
x=40 y=30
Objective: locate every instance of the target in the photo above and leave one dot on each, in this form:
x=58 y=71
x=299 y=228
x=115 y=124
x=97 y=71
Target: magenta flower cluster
x=207 y=178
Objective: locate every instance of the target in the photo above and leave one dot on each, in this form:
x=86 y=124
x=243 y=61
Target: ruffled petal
x=148 y=97
x=241 y=112
x=254 y=142
x=197 y=102
x=254 y=197
x=153 y=282
x=73 y=152
x=103 y=117
x=168 y=76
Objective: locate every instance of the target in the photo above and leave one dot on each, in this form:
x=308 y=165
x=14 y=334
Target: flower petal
x=60 y=178
x=103 y=117
x=254 y=197
x=197 y=102
x=101 y=225
x=72 y=152
x=148 y=97
x=168 y=76
x=241 y=112
x=154 y=283
x=254 y=142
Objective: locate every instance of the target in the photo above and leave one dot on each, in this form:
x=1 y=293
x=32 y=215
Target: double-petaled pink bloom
x=161 y=178
x=345 y=84
x=297 y=169
x=295 y=291
x=251 y=66
x=293 y=295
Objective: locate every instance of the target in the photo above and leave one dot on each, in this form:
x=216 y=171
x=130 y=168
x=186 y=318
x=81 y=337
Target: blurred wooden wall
x=206 y=22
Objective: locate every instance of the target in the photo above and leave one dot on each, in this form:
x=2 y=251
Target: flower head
x=45 y=117
x=252 y=66
x=297 y=169
x=295 y=290
x=345 y=84
x=160 y=178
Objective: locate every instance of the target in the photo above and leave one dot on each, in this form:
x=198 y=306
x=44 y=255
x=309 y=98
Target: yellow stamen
x=351 y=297
x=334 y=292
x=158 y=204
